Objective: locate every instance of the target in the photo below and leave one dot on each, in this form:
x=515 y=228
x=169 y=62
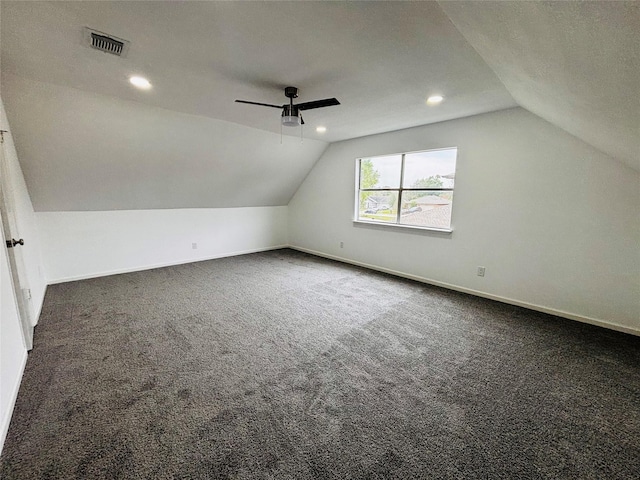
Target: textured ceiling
x=85 y=151
x=575 y=64
x=380 y=59
x=88 y=140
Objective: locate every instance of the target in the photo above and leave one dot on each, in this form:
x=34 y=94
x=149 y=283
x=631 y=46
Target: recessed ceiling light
x=434 y=99
x=140 y=82
x=321 y=129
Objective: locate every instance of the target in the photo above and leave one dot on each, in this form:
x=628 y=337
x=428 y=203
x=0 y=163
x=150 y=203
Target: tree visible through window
x=413 y=189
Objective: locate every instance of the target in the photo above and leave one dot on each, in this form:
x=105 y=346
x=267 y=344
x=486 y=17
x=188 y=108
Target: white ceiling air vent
x=106 y=42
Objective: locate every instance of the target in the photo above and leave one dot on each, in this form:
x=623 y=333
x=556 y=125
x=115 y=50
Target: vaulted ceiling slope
x=88 y=140
x=575 y=64
x=380 y=59
x=86 y=151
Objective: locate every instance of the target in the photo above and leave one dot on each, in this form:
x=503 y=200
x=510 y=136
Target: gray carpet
x=281 y=365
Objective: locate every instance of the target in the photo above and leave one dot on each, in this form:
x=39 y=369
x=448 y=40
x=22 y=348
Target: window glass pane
x=378 y=206
x=434 y=169
x=380 y=172
x=426 y=208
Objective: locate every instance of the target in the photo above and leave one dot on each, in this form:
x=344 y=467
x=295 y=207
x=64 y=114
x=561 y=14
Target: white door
x=12 y=242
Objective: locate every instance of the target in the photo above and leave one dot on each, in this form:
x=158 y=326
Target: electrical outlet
x=194 y=246
x=481 y=271
x=341 y=244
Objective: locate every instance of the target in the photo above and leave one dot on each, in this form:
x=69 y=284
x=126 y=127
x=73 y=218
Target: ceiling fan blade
x=327 y=102
x=261 y=104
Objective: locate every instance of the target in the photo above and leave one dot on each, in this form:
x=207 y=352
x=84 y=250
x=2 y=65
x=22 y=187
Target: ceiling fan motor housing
x=290 y=116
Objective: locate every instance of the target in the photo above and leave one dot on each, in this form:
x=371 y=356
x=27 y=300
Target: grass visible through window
x=413 y=189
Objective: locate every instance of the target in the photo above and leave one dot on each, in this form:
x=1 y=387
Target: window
x=410 y=189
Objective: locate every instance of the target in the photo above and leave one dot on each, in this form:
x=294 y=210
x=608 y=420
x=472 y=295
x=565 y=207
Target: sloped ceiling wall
x=380 y=59
x=575 y=64
x=86 y=151
x=88 y=141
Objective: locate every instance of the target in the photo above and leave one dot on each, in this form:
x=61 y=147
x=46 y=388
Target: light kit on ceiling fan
x=291 y=121
x=291 y=114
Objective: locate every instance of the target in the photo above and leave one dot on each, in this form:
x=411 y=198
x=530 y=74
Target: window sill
x=405 y=227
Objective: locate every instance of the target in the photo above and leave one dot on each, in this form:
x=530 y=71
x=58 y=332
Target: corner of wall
x=520 y=208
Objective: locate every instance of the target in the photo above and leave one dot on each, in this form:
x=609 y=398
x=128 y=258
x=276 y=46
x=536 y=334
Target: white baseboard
x=510 y=301
x=160 y=265
x=6 y=419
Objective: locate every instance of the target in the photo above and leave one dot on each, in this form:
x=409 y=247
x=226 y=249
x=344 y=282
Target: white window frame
x=399 y=190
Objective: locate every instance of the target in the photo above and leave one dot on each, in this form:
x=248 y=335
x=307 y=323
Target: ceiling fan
x=291 y=116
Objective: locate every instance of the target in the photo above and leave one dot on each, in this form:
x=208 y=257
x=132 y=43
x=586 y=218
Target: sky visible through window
x=423 y=200
x=417 y=166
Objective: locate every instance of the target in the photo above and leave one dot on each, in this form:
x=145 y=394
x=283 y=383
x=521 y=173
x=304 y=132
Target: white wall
x=554 y=221
x=88 y=244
